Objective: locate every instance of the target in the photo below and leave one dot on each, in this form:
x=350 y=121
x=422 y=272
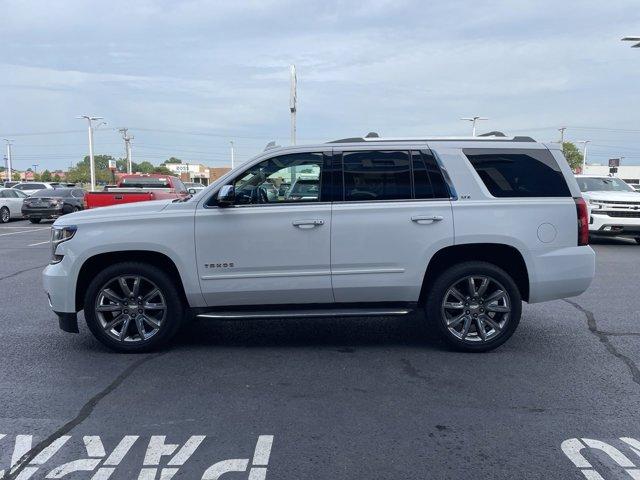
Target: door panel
x=253 y=255
x=380 y=250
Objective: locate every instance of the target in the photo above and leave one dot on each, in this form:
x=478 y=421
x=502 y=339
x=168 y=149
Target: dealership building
x=196 y=172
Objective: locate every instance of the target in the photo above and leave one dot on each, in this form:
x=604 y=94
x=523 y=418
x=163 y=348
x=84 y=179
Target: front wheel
x=475 y=306
x=133 y=307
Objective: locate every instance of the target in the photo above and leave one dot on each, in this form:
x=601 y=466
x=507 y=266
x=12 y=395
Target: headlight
x=59 y=235
x=596 y=204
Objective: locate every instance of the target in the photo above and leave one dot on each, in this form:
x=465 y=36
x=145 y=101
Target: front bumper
x=612 y=223
x=61 y=294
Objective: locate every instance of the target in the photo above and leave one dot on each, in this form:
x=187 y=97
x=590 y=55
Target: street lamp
x=9 y=158
x=584 y=154
x=92 y=166
x=474 y=120
x=632 y=39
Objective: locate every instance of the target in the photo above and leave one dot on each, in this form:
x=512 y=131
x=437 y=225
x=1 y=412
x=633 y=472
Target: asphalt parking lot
x=322 y=398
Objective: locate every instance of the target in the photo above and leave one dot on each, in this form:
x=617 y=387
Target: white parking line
x=32 y=228
x=16 y=233
x=39 y=243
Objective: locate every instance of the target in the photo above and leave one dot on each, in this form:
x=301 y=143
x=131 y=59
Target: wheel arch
x=504 y=256
x=98 y=262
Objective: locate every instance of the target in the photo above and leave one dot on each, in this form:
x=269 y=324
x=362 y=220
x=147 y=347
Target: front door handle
x=426 y=219
x=307 y=223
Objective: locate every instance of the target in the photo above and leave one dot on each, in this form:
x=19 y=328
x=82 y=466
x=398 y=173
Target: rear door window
x=428 y=181
x=518 y=173
x=376 y=175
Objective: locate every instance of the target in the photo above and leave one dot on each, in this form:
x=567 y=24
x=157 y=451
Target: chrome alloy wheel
x=4 y=215
x=476 y=308
x=130 y=308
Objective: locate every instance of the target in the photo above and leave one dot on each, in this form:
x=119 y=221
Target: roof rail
x=491 y=136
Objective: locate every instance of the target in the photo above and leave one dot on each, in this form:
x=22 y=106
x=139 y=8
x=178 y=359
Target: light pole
x=9 y=158
x=474 y=120
x=293 y=102
x=35 y=168
x=561 y=130
x=233 y=154
x=127 y=145
x=584 y=154
x=92 y=166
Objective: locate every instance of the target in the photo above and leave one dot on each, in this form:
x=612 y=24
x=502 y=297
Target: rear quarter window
x=518 y=173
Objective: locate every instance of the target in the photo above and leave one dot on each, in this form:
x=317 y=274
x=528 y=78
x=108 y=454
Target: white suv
x=464 y=228
x=614 y=206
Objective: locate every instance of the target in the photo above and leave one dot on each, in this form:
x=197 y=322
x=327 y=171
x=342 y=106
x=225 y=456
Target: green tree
x=573 y=155
x=145 y=167
x=16 y=176
x=56 y=177
x=162 y=170
x=173 y=160
x=46 y=176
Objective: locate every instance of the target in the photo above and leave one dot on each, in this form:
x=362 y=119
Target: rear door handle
x=307 y=223
x=426 y=219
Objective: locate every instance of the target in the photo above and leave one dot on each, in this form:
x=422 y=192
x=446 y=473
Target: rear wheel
x=133 y=307
x=475 y=306
x=5 y=215
x=637 y=239
x=35 y=220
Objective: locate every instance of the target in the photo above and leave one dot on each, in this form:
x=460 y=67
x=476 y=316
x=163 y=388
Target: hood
x=126 y=210
x=604 y=196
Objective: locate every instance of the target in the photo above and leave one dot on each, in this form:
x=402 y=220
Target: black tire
x=35 y=220
x=5 y=215
x=436 y=313
x=175 y=310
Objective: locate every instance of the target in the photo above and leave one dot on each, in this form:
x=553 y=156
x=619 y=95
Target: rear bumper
x=561 y=273
x=42 y=212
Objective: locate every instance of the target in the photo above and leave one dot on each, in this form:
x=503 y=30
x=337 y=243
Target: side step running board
x=329 y=312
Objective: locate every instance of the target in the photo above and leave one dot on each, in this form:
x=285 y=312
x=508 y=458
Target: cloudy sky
x=188 y=76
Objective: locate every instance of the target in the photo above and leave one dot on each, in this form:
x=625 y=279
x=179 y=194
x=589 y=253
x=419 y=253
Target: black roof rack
x=491 y=136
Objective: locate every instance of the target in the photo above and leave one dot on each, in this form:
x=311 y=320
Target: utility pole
x=584 y=154
x=561 y=130
x=9 y=158
x=233 y=155
x=35 y=168
x=474 y=120
x=92 y=165
x=293 y=102
x=127 y=145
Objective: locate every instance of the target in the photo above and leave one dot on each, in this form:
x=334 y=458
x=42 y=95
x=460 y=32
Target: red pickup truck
x=137 y=188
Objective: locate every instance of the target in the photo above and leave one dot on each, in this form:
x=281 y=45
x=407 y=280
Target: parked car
x=31 y=187
x=614 y=206
x=194 y=187
x=464 y=229
x=138 y=188
x=52 y=203
x=10 y=204
x=8 y=184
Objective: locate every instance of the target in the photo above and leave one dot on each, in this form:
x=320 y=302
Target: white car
x=10 y=204
x=31 y=187
x=462 y=228
x=614 y=206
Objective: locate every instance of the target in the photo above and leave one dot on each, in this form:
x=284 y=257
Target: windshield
x=149 y=182
x=603 y=184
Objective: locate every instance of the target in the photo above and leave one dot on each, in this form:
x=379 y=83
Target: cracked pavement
x=343 y=398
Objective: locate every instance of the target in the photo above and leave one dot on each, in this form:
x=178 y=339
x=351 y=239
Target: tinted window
x=6 y=194
x=78 y=193
x=428 y=181
x=145 y=182
x=48 y=192
x=262 y=183
x=30 y=186
x=376 y=175
x=602 y=184
x=519 y=173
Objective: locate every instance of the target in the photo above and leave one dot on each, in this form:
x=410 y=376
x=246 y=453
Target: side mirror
x=192 y=191
x=226 y=196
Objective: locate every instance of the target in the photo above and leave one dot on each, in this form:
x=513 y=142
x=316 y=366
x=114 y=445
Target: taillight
x=583 y=221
